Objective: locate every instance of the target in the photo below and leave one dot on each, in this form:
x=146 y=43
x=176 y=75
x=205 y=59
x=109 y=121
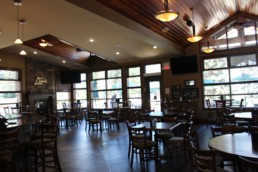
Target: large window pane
x=216 y=89
x=249 y=100
x=98 y=94
x=215 y=76
x=134 y=82
x=154 y=68
x=9 y=75
x=10 y=86
x=98 y=85
x=62 y=96
x=249 y=35
x=80 y=85
x=10 y=98
x=114 y=83
x=134 y=93
x=134 y=71
x=245 y=88
x=80 y=94
x=98 y=75
x=215 y=63
x=98 y=104
x=244 y=60
x=136 y=103
x=114 y=94
x=114 y=73
x=244 y=74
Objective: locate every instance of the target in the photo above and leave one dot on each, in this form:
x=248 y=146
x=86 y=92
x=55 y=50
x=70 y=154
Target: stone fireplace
x=42 y=103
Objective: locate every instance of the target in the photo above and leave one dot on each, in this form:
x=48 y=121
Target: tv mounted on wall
x=181 y=65
x=70 y=77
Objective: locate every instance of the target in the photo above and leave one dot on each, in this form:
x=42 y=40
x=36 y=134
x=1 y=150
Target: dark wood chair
x=205 y=160
x=6 y=110
x=114 y=119
x=237 y=108
x=141 y=145
x=208 y=104
x=44 y=148
x=247 y=165
x=222 y=130
x=94 y=120
x=8 y=142
x=220 y=110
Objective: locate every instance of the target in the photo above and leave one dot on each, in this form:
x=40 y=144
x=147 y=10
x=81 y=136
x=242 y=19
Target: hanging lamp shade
x=18 y=4
x=166 y=15
x=23 y=53
x=208 y=49
x=194 y=38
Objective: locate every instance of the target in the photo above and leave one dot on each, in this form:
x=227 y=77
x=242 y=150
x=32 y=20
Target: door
x=153 y=94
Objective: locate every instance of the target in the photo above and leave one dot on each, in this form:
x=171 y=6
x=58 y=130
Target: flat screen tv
x=182 y=65
x=70 y=77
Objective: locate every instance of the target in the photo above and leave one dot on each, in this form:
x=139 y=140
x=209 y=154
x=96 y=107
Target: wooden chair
x=192 y=138
x=237 y=108
x=205 y=160
x=220 y=110
x=222 y=130
x=45 y=148
x=247 y=165
x=114 y=119
x=178 y=141
x=208 y=104
x=6 y=110
x=254 y=117
x=94 y=120
x=8 y=142
x=141 y=145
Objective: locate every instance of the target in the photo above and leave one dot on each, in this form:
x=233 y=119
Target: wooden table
x=239 y=144
x=160 y=126
x=246 y=116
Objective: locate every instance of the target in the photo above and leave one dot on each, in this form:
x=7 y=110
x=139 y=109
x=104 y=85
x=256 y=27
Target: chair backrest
x=169 y=119
x=222 y=130
x=229 y=120
x=138 y=135
x=241 y=103
x=204 y=159
x=247 y=165
x=208 y=103
x=6 y=110
x=64 y=105
x=48 y=135
x=221 y=105
x=8 y=142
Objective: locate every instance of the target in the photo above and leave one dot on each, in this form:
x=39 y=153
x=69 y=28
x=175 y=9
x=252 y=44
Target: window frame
x=229 y=83
x=85 y=88
x=106 y=90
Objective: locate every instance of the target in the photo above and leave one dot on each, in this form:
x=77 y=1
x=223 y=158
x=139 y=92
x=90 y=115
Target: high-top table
x=246 y=116
x=240 y=144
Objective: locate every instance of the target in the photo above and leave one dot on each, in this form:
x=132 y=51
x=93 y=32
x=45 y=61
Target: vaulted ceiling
x=127 y=26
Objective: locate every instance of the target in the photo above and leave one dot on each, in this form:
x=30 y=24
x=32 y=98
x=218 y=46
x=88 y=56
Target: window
x=106 y=88
x=153 y=68
x=80 y=91
x=63 y=94
x=234 y=77
x=134 y=91
x=10 y=89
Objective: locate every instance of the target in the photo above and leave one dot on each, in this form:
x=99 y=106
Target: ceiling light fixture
x=91 y=40
x=155 y=47
x=42 y=43
x=194 y=38
x=18 y=4
x=22 y=22
x=64 y=61
x=208 y=49
x=166 y=15
x=117 y=53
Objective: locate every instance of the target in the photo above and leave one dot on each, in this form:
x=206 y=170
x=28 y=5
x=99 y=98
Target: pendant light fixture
x=18 y=3
x=194 y=38
x=23 y=52
x=43 y=43
x=208 y=49
x=166 y=15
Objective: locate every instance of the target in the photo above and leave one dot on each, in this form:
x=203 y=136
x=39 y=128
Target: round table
x=240 y=144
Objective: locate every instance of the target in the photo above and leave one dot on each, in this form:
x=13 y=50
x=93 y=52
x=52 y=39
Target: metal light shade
x=18 y=41
x=194 y=38
x=23 y=53
x=208 y=50
x=166 y=15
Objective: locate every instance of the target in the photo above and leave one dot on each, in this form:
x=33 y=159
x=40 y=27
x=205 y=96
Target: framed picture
x=191 y=93
x=189 y=83
x=176 y=91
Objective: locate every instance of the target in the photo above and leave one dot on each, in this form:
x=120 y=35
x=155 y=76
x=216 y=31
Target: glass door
x=153 y=95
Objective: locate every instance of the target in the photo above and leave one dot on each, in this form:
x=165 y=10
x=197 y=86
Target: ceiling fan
x=44 y=43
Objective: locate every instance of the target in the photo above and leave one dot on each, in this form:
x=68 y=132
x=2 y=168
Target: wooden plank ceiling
x=208 y=14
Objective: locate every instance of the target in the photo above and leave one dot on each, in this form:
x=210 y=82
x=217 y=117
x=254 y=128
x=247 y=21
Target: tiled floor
x=80 y=151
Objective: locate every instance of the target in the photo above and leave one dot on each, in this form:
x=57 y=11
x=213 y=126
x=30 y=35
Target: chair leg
x=132 y=157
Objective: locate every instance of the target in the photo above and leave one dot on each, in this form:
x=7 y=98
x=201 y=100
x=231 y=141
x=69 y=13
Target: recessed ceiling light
x=35 y=52
x=91 y=40
x=0 y=60
x=64 y=61
x=154 y=46
x=117 y=53
x=23 y=53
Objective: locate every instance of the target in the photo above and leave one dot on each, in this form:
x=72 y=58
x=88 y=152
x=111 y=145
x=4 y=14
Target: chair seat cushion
x=165 y=135
x=142 y=144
